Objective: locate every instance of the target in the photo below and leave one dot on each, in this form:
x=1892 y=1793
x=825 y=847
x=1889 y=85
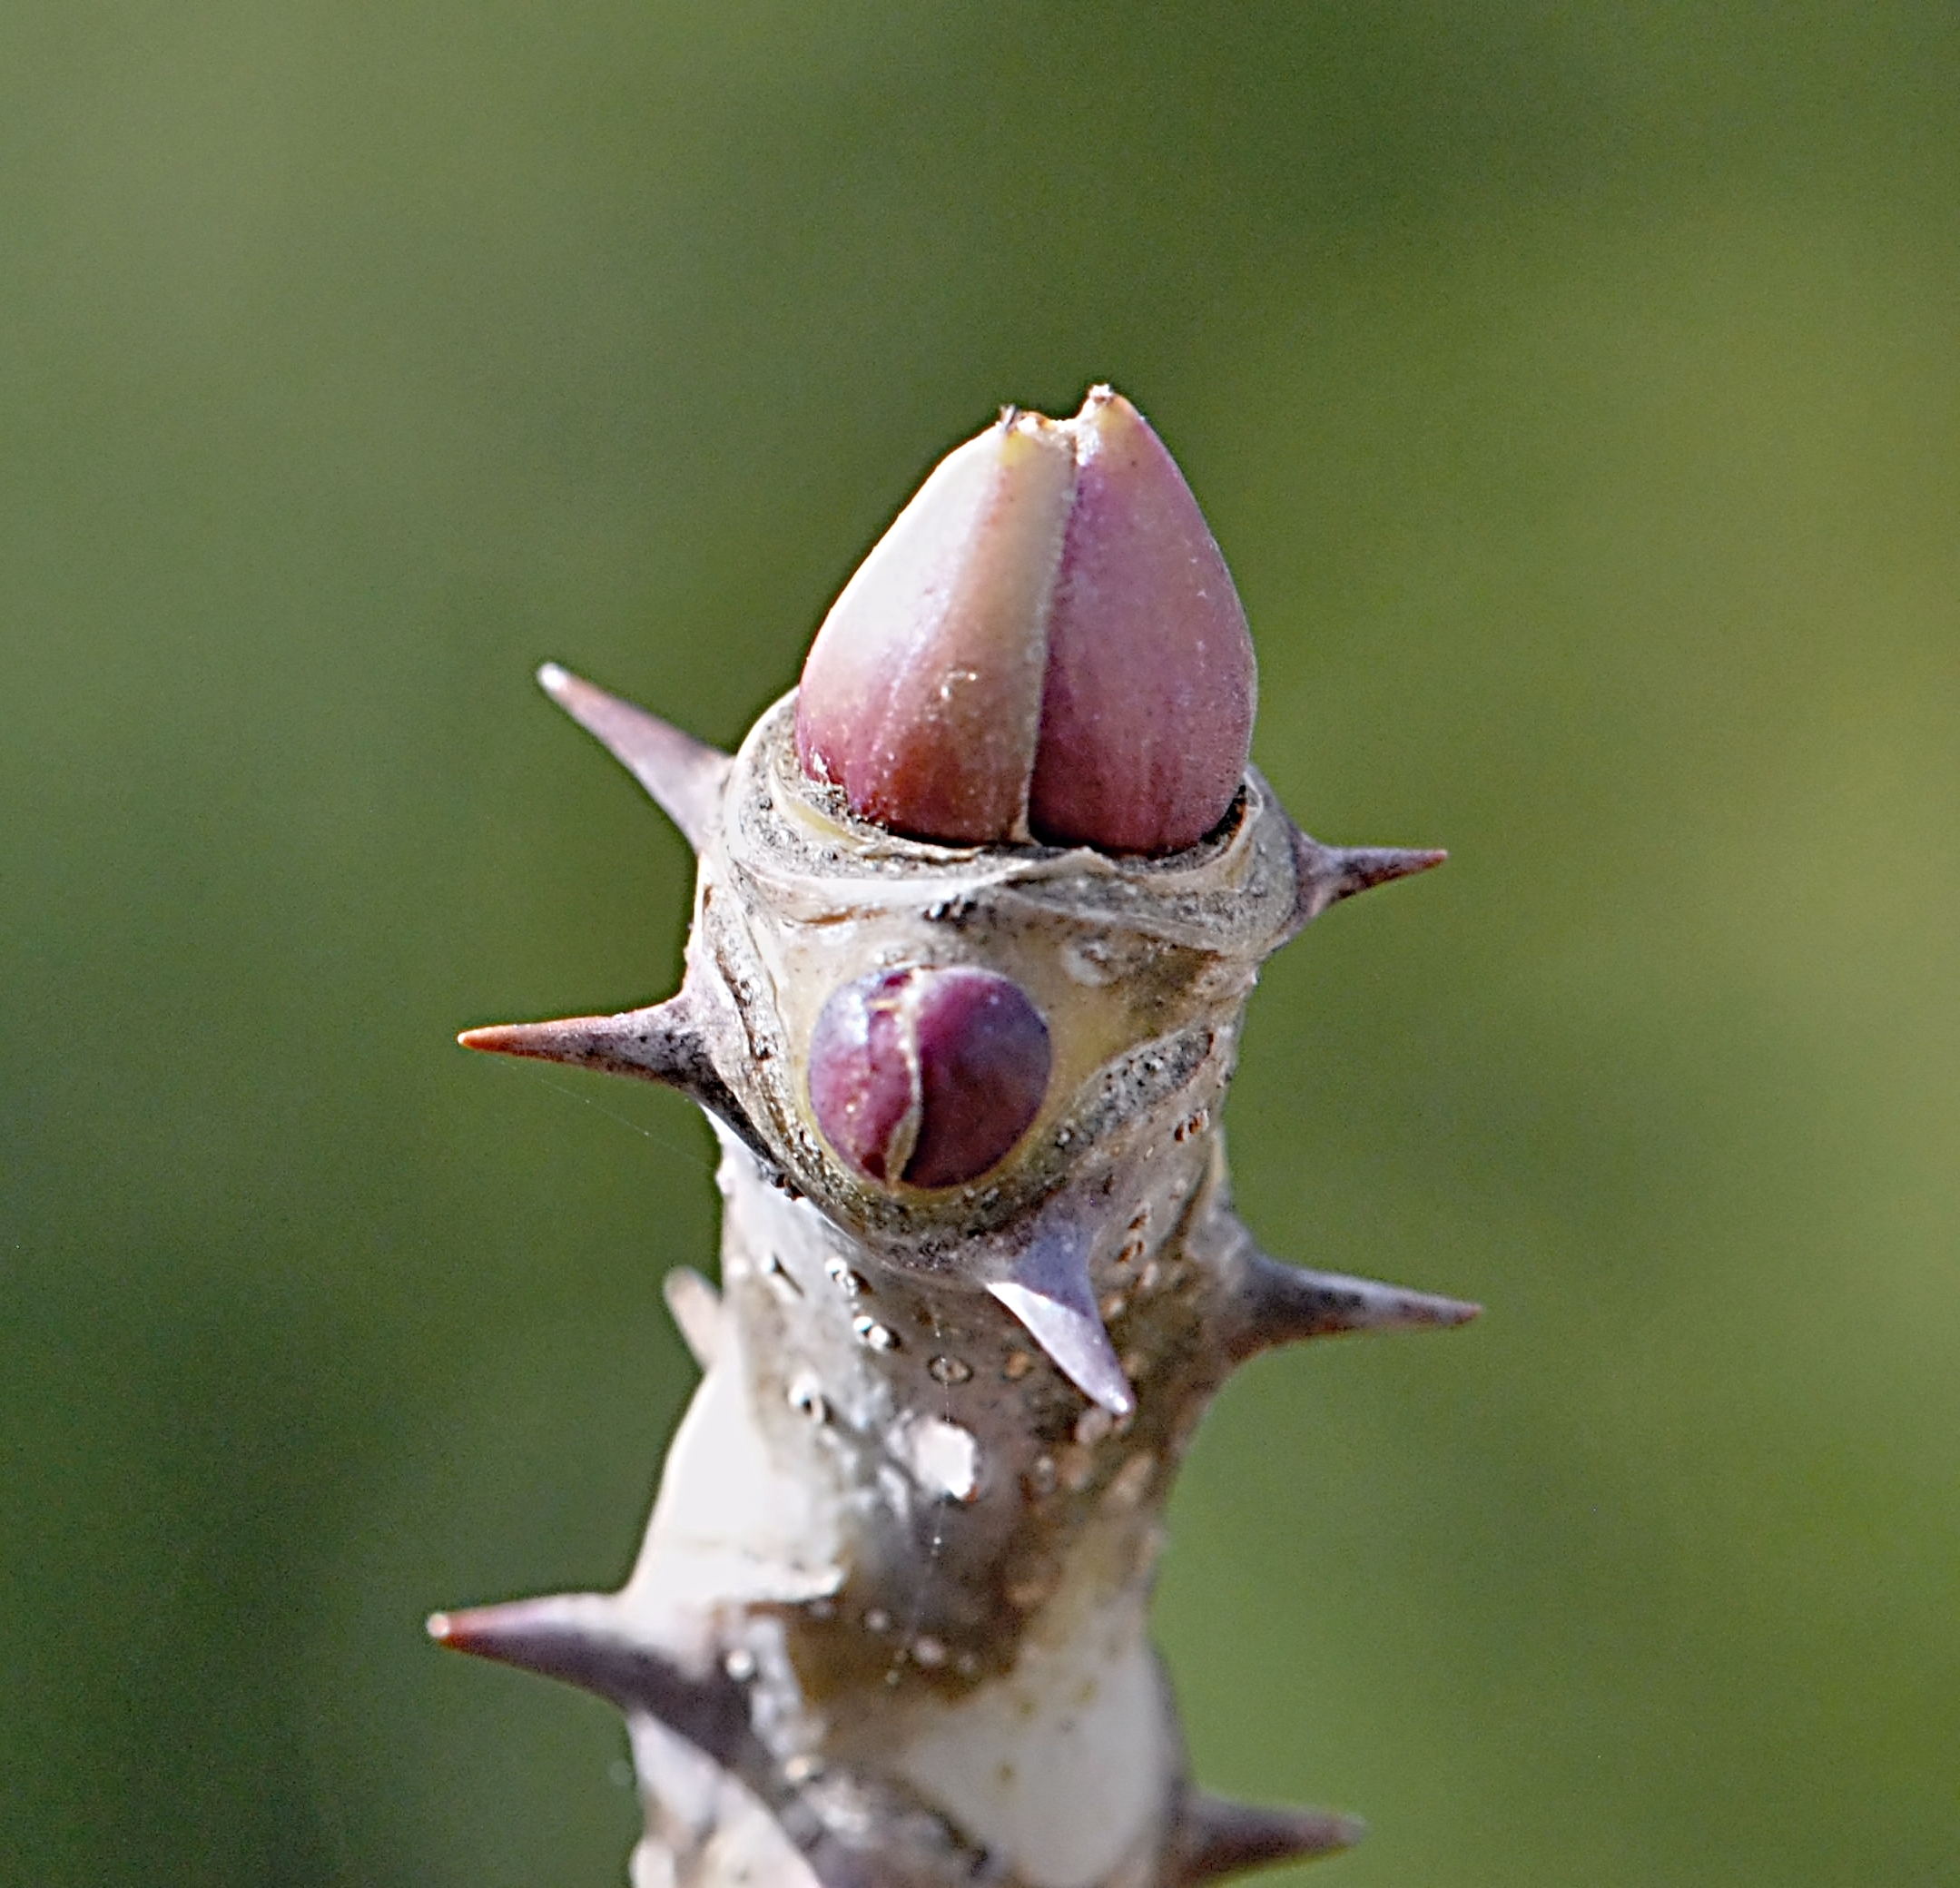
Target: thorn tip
x=1327 y=874
x=1214 y=1836
x=683 y=776
x=662 y=1043
x=1277 y=1304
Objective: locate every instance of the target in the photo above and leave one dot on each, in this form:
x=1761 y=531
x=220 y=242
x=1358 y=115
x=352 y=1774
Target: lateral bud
x=928 y=1076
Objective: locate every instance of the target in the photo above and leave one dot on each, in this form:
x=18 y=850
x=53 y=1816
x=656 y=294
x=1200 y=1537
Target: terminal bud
x=1147 y=709
x=1045 y=646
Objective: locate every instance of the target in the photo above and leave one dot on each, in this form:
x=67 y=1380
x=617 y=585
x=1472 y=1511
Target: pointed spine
x=663 y=1042
x=1214 y=1836
x=581 y=1638
x=1327 y=874
x=683 y=776
x=1273 y=1303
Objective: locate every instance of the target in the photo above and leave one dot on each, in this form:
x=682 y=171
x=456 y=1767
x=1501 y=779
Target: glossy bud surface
x=1046 y=644
x=927 y=1076
x=1148 y=701
x=922 y=697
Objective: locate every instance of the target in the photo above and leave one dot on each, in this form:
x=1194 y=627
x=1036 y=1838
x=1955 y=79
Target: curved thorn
x=696 y=1307
x=1274 y=1303
x=684 y=776
x=1327 y=874
x=661 y=1043
x=582 y=1639
x=1213 y=1836
x=1046 y=1288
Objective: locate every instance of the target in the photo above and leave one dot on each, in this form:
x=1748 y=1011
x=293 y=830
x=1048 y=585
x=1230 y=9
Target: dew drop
x=877 y=1620
x=740 y=1665
x=948 y=1370
x=1092 y=1425
x=807 y=1399
x=874 y=1335
x=929 y=1651
x=846 y=1281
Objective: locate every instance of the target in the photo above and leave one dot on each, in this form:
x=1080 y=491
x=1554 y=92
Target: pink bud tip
x=1046 y=643
x=927 y=1076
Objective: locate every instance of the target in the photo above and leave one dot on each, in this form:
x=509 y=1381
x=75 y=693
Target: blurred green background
x=1576 y=393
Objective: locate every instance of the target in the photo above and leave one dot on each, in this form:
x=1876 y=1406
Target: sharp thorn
x=1275 y=1304
x=684 y=776
x=659 y=1043
x=1327 y=874
x=583 y=1639
x=1046 y=1288
x=1213 y=1836
x=662 y=1043
x=696 y=1307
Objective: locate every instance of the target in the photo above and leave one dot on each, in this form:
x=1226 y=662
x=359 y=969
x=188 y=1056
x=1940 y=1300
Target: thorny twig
x=978 y=913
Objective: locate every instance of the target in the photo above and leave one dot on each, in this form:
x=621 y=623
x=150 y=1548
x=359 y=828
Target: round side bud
x=927 y=1076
